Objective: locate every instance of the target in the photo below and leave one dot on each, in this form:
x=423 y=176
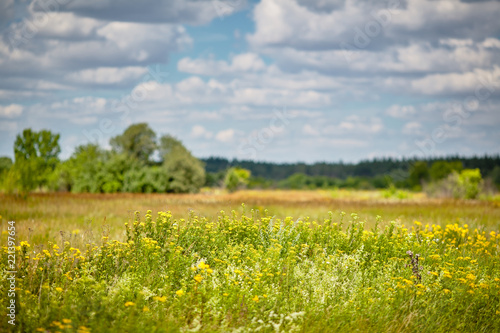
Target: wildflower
x=66 y=321
x=225 y=294
x=180 y=292
x=127 y=304
x=255 y=299
x=470 y=277
x=198 y=278
x=145 y=309
x=446 y=291
x=59 y=289
x=160 y=299
x=209 y=270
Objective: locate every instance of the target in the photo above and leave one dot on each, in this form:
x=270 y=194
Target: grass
x=187 y=266
x=42 y=217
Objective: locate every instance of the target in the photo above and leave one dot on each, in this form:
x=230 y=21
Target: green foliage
x=215 y=179
x=36 y=157
x=84 y=166
x=495 y=175
x=138 y=141
x=464 y=185
x=469 y=183
x=236 y=178
x=5 y=165
x=250 y=272
x=146 y=180
x=186 y=174
x=441 y=169
x=419 y=173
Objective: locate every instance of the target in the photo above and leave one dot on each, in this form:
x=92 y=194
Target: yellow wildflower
x=160 y=299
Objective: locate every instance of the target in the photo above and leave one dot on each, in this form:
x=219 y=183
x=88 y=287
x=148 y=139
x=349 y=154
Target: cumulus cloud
x=171 y=11
x=225 y=136
x=320 y=25
x=400 y=111
x=199 y=131
x=246 y=62
x=452 y=83
x=412 y=128
x=11 y=111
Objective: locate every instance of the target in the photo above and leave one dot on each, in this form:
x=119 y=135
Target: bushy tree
x=83 y=167
x=146 y=180
x=466 y=184
x=185 y=173
x=236 y=178
x=495 y=175
x=419 y=173
x=441 y=169
x=36 y=157
x=138 y=141
x=469 y=183
x=5 y=166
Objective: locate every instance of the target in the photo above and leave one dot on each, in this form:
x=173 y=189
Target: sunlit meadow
x=249 y=270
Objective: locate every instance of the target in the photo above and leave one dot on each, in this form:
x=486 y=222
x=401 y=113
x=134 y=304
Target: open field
x=49 y=214
x=81 y=269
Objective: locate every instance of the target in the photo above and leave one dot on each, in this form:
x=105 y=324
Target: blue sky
x=273 y=80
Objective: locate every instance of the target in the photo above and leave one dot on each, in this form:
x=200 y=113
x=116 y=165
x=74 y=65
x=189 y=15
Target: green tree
x=236 y=178
x=83 y=167
x=138 y=141
x=470 y=181
x=441 y=169
x=495 y=175
x=36 y=157
x=5 y=166
x=185 y=173
x=146 y=180
x=419 y=173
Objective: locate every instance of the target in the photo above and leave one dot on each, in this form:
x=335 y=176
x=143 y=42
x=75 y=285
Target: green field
x=285 y=261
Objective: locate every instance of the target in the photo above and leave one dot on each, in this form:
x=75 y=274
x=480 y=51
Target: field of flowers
x=250 y=271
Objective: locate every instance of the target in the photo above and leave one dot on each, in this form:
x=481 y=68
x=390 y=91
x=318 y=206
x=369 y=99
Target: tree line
x=139 y=161
x=128 y=167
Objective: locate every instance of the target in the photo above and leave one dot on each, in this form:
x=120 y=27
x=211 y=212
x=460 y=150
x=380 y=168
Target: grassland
x=285 y=261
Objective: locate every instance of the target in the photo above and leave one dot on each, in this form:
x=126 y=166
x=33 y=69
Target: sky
x=269 y=80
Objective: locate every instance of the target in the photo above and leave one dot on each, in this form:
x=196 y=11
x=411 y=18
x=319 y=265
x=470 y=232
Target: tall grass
x=252 y=271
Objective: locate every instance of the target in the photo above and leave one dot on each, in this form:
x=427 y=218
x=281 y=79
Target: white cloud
x=285 y=23
x=108 y=75
x=357 y=124
x=310 y=130
x=11 y=111
x=199 y=131
x=172 y=11
x=468 y=82
x=246 y=62
x=400 y=111
x=225 y=136
x=412 y=128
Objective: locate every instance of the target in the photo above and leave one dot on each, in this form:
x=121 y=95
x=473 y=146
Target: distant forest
x=129 y=166
x=366 y=169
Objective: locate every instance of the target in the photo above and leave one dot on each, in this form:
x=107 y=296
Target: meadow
x=284 y=261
